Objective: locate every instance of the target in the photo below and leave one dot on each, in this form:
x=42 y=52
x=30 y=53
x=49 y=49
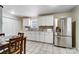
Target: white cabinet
x=41 y=21
x=45 y=20
x=49 y=37
x=28 y=35
x=49 y=21
x=42 y=37
x=32 y=35
x=37 y=36
x=46 y=37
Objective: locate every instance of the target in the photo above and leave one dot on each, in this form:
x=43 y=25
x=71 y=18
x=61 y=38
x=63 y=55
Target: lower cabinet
x=41 y=36
x=49 y=37
x=37 y=36
x=27 y=34
x=32 y=35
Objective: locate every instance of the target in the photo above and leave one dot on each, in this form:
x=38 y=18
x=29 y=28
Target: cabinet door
x=28 y=35
x=49 y=37
x=49 y=20
x=46 y=20
x=41 y=21
x=42 y=39
x=46 y=37
x=37 y=36
x=33 y=36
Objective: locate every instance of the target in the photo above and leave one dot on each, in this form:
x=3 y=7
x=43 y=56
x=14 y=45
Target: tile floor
x=42 y=48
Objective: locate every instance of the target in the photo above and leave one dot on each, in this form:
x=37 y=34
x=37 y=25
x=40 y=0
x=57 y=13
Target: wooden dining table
x=4 y=42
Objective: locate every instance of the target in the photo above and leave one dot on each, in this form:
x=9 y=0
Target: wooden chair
x=2 y=34
x=21 y=34
x=4 y=49
x=24 y=41
x=15 y=45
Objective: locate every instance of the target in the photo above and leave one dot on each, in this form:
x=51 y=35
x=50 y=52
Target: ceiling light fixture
x=12 y=12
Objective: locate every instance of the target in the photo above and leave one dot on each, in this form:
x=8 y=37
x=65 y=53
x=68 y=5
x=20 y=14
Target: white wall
x=0 y=19
x=11 y=25
x=63 y=14
x=76 y=17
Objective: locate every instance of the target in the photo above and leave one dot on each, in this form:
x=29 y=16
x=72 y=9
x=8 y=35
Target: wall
x=76 y=17
x=64 y=14
x=74 y=13
x=0 y=19
x=10 y=25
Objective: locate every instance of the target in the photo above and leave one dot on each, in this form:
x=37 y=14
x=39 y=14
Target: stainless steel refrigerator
x=63 y=33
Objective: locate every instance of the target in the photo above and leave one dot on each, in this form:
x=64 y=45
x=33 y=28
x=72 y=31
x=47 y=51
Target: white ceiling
x=35 y=10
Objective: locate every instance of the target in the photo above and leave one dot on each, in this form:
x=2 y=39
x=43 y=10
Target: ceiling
x=35 y=10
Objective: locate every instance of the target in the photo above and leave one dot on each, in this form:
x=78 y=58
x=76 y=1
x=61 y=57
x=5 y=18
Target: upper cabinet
x=45 y=20
x=41 y=21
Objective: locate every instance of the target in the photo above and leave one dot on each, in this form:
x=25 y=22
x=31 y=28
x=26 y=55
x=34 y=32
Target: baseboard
x=40 y=42
x=63 y=47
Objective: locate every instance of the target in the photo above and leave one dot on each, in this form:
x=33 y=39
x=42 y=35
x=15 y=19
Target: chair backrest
x=21 y=34
x=24 y=41
x=2 y=34
x=15 y=45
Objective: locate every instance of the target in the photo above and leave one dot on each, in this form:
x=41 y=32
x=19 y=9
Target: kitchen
x=48 y=28
x=41 y=30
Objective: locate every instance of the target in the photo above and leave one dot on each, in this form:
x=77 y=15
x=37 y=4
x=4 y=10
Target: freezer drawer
x=63 y=41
